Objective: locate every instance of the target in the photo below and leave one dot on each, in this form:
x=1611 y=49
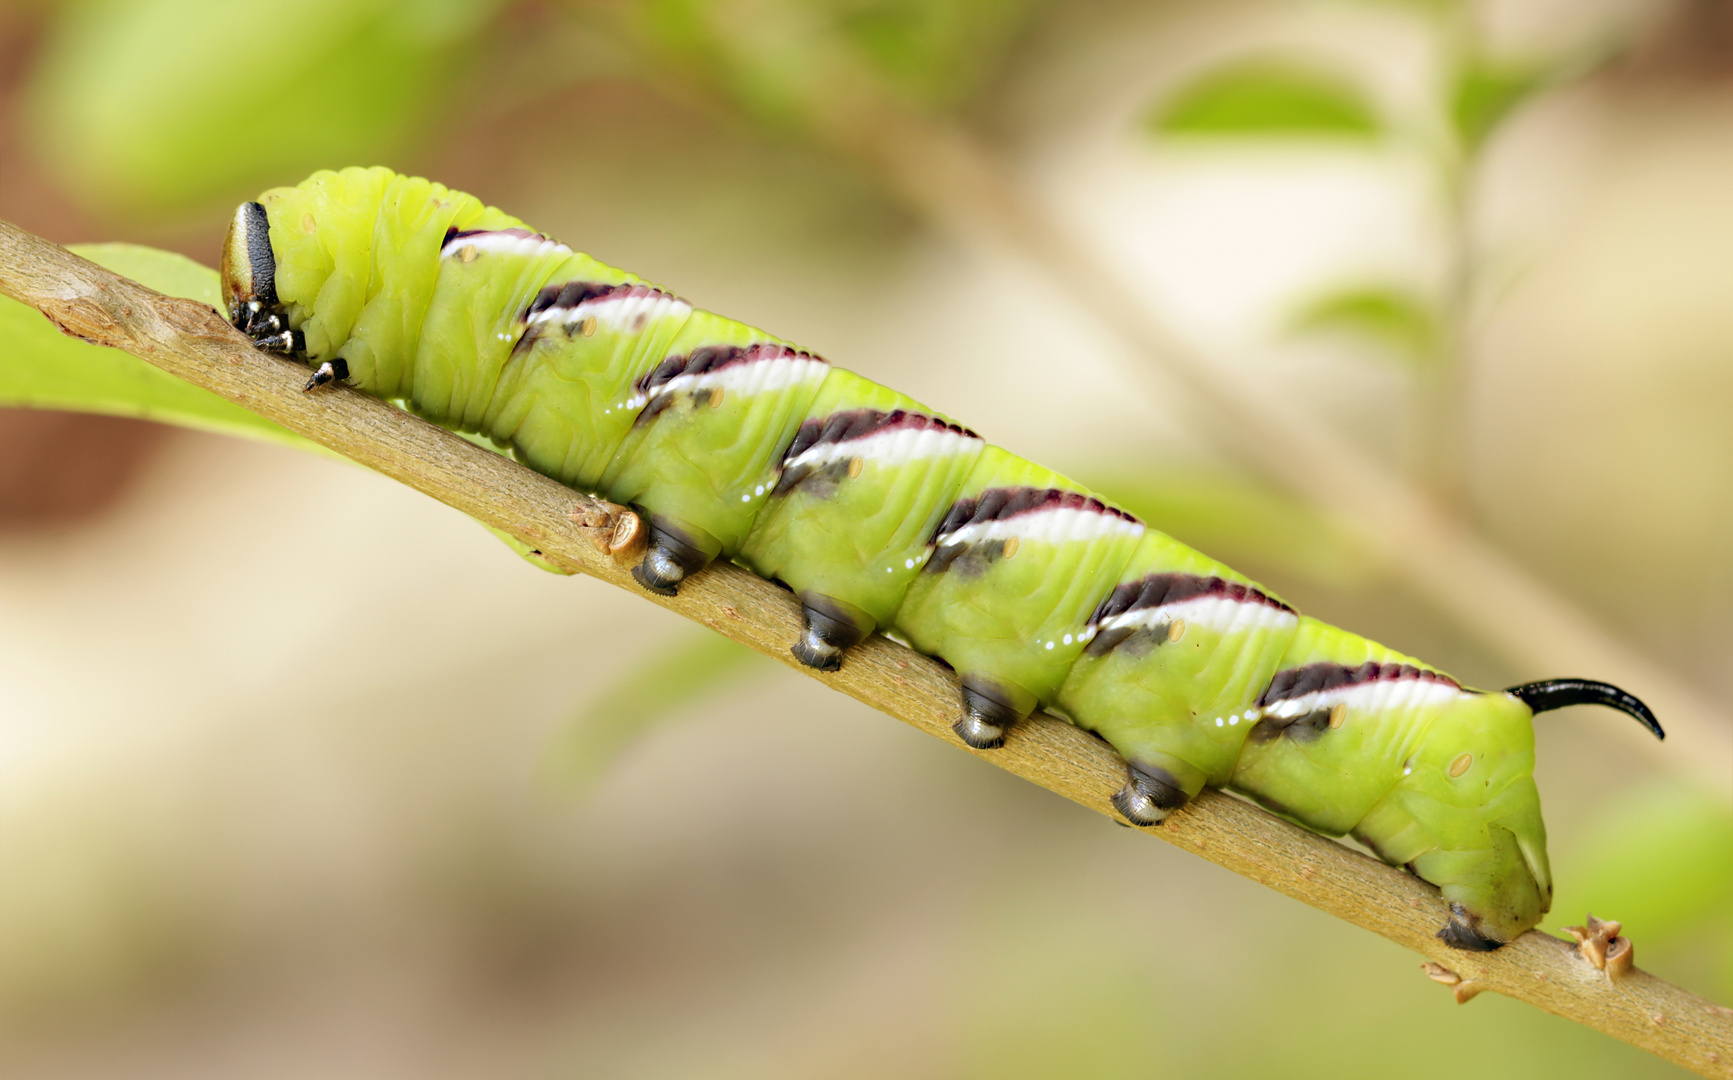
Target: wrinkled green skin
x=359 y=272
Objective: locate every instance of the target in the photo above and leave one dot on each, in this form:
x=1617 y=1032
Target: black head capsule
x=249 y=269
x=1557 y=693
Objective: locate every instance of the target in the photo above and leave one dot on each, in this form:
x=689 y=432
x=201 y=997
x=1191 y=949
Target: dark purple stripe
x=1312 y=678
x=851 y=424
x=1159 y=590
x=572 y=293
x=459 y=234
x=1000 y=504
x=714 y=358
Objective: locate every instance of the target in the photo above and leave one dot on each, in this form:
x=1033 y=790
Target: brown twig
x=576 y=531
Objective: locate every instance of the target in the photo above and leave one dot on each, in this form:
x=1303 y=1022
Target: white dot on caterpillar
x=1461 y=764
x=759 y=490
x=745 y=498
x=1049 y=645
x=1253 y=715
x=1066 y=639
x=1234 y=720
x=1218 y=721
x=908 y=564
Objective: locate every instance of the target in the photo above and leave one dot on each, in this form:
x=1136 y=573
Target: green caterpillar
x=879 y=513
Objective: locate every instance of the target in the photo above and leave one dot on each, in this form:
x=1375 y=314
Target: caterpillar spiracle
x=881 y=514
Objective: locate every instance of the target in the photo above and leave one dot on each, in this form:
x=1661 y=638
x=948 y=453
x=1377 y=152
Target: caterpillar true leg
x=331 y=370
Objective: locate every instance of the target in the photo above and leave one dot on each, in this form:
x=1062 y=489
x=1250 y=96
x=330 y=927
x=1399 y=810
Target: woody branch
x=577 y=532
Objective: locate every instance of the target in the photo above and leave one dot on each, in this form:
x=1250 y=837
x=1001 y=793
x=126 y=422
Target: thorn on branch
x=616 y=530
x=1600 y=944
x=1462 y=989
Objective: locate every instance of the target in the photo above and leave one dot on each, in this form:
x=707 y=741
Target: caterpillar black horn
x=1549 y=694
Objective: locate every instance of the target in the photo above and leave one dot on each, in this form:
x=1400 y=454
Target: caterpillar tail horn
x=1557 y=693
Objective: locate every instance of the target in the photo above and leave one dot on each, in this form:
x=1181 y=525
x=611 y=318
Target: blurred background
x=304 y=774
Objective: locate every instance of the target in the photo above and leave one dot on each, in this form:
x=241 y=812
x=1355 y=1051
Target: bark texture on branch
x=574 y=531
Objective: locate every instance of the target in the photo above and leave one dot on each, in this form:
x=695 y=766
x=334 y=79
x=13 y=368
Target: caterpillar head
x=249 y=269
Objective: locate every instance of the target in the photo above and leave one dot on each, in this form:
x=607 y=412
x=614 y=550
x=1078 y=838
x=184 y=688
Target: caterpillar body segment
x=881 y=514
x=714 y=419
x=859 y=493
x=568 y=396
x=1177 y=653
x=1016 y=566
x=471 y=330
x=1352 y=737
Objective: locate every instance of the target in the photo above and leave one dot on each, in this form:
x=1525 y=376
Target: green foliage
x=776 y=58
x=1242 y=522
x=935 y=51
x=158 y=104
x=1394 y=318
x=1660 y=861
x=680 y=674
x=45 y=369
x=1486 y=93
x=1267 y=98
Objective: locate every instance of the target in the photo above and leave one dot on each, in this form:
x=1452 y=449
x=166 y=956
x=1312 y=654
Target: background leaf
x=1267 y=98
x=681 y=672
x=1661 y=863
x=1400 y=321
x=1241 y=522
x=1486 y=93
x=44 y=369
x=352 y=82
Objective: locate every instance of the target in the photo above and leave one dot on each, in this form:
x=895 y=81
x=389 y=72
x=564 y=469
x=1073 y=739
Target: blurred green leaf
x=1267 y=98
x=1486 y=93
x=151 y=104
x=41 y=368
x=1241 y=522
x=1660 y=862
x=777 y=58
x=680 y=674
x=936 y=51
x=1400 y=321
x=44 y=369
x=525 y=552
